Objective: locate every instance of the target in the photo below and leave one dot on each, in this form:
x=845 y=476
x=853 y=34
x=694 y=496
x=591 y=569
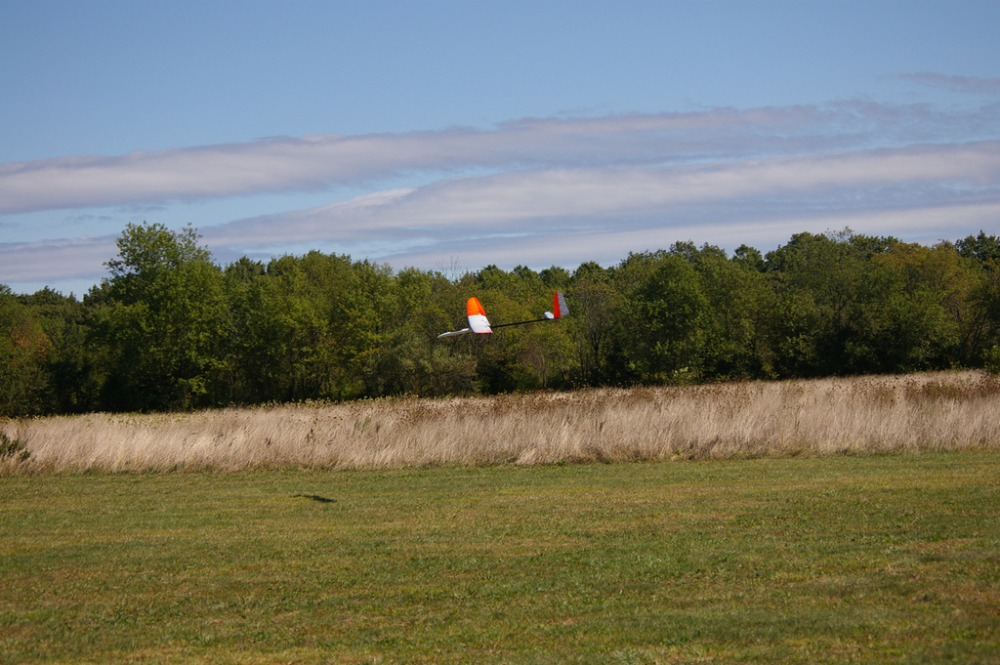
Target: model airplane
x=478 y=323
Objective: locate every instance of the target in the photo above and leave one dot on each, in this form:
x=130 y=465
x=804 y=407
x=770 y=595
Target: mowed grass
x=880 y=559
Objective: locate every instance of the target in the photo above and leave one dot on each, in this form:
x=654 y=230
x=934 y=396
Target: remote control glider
x=478 y=323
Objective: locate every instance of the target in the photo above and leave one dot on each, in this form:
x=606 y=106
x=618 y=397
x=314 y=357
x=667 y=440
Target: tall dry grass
x=940 y=411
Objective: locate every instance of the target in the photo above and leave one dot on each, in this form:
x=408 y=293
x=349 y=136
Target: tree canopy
x=170 y=329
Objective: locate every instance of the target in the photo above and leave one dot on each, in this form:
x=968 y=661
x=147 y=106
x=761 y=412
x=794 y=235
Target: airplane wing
x=478 y=323
x=477 y=317
x=455 y=333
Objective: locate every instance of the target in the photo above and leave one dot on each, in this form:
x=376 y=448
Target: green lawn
x=890 y=559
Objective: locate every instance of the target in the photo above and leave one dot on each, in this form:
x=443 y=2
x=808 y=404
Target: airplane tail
x=559 y=307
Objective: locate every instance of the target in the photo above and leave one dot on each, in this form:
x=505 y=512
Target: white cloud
x=556 y=191
x=314 y=163
x=617 y=209
x=53 y=260
x=598 y=196
x=553 y=246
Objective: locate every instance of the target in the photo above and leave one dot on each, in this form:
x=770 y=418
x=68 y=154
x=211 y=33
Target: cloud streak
x=314 y=163
x=53 y=260
x=594 y=209
x=610 y=245
x=543 y=191
x=599 y=196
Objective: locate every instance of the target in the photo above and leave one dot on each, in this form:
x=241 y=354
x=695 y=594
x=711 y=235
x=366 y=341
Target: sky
x=454 y=135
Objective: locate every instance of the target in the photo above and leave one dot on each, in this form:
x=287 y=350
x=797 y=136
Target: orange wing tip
x=474 y=307
x=477 y=317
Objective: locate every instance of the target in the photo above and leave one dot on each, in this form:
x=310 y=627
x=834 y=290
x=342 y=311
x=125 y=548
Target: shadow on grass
x=314 y=497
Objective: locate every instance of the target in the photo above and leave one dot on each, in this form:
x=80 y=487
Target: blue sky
x=473 y=133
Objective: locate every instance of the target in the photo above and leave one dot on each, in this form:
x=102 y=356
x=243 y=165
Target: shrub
x=992 y=360
x=10 y=449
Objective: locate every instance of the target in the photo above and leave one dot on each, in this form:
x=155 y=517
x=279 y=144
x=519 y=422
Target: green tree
x=818 y=279
x=74 y=377
x=412 y=360
x=919 y=322
x=594 y=305
x=737 y=299
x=749 y=258
x=313 y=307
x=164 y=322
x=663 y=320
x=258 y=334
x=24 y=351
x=982 y=248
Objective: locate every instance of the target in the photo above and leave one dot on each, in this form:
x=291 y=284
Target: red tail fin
x=559 y=308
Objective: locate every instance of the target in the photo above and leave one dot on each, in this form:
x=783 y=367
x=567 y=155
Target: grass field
x=869 y=559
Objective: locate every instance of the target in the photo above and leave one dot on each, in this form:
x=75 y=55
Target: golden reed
x=866 y=415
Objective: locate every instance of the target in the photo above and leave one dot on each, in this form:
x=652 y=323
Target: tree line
x=170 y=329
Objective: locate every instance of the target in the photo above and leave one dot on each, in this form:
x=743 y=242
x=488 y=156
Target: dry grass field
x=867 y=415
